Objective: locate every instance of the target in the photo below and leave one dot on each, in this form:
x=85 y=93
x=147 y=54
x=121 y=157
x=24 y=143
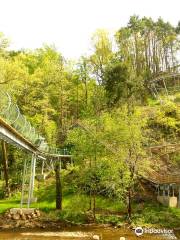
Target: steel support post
x=60 y=166
x=32 y=177
x=23 y=182
x=42 y=169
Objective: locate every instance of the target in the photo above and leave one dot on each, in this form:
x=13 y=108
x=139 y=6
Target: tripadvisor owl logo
x=139 y=231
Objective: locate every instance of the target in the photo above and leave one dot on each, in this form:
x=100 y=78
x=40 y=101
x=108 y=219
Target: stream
x=81 y=233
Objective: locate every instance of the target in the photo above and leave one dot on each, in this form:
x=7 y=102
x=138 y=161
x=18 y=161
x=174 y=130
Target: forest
x=101 y=108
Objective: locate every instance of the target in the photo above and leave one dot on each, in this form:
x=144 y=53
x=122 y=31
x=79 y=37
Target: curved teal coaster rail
x=10 y=113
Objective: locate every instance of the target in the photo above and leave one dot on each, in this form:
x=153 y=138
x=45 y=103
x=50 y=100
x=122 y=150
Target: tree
x=147 y=47
x=85 y=155
x=111 y=156
x=5 y=168
x=116 y=83
x=4 y=43
x=84 y=71
x=102 y=47
x=124 y=133
x=58 y=187
x=122 y=86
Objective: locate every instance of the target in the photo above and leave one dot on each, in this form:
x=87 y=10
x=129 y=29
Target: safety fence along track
x=16 y=123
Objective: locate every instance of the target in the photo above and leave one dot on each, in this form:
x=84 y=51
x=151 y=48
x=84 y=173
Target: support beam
x=32 y=177
x=23 y=183
x=28 y=181
x=10 y=135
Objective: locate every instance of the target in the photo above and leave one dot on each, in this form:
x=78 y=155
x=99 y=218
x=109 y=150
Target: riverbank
x=43 y=222
x=59 y=230
x=75 y=211
x=46 y=226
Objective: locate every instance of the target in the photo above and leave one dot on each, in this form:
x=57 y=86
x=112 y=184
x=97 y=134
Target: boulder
x=16 y=216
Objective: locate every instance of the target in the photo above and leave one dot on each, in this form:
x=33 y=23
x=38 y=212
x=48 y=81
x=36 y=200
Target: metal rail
x=16 y=129
x=158 y=178
x=164 y=83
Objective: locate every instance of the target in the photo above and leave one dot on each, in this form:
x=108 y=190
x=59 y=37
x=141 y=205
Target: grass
x=156 y=214
x=152 y=102
x=8 y=203
x=75 y=208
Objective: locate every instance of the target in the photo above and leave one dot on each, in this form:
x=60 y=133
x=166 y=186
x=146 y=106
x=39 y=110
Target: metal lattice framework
x=17 y=130
x=166 y=83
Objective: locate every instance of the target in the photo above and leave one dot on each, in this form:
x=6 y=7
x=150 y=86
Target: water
x=77 y=233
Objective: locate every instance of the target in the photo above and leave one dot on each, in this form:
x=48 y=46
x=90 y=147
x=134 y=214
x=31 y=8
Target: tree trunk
x=5 y=168
x=77 y=101
x=94 y=206
x=129 y=209
x=90 y=191
x=58 y=187
x=90 y=200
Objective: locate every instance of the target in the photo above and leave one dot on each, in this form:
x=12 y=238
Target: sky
x=69 y=24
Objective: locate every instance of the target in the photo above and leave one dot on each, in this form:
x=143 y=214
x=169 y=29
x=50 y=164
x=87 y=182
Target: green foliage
x=92 y=106
x=110 y=219
x=4 y=43
x=110 y=153
x=165 y=122
x=102 y=55
x=116 y=82
x=157 y=215
x=121 y=85
x=112 y=211
x=136 y=50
